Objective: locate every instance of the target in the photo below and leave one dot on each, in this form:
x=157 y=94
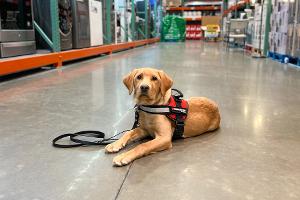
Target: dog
x=153 y=87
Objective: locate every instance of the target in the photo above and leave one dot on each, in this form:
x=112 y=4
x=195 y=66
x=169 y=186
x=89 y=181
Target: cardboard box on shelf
x=290 y=35
x=298 y=18
x=291 y=11
x=282 y=26
x=278 y=43
x=272 y=36
x=259 y=13
x=282 y=44
x=258 y=42
x=173 y=3
x=297 y=42
x=283 y=21
x=211 y=20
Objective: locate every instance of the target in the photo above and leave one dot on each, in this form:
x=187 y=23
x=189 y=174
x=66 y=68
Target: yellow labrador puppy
x=153 y=87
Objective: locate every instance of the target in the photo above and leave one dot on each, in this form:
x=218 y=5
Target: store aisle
x=255 y=154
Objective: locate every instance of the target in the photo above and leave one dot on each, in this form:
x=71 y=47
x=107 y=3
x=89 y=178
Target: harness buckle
x=179 y=129
x=180 y=126
x=176 y=110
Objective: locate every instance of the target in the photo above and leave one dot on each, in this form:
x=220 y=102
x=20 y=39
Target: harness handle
x=178 y=94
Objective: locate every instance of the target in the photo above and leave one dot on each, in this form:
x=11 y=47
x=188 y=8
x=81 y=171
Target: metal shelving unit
x=246 y=4
x=57 y=57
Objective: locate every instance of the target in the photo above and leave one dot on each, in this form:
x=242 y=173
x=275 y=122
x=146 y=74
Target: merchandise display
x=190 y=14
x=173 y=28
x=172 y=3
x=250 y=32
x=260 y=14
x=280 y=33
x=42 y=16
x=96 y=27
x=16 y=28
x=193 y=32
x=81 y=24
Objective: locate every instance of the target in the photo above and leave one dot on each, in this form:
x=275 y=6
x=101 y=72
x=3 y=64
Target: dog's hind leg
x=128 y=137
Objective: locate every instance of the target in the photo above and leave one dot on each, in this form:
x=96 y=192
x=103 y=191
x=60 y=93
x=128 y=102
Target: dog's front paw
x=122 y=160
x=114 y=147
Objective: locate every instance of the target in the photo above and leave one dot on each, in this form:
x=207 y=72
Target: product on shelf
x=260 y=17
x=174 y=28
x=190 y=14
x=282 y=27
x=193 y=32
x=172 y=3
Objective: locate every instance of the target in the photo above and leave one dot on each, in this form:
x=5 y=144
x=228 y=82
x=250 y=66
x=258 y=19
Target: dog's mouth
x=143 y=98
x=144 y=95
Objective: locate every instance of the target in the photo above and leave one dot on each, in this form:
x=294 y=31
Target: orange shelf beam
x=22 y=63
x=189 y=19
x=196 y=8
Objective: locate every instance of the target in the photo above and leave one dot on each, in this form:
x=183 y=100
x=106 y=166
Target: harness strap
x=179 y=123
x=176 y=111
x=155 y=109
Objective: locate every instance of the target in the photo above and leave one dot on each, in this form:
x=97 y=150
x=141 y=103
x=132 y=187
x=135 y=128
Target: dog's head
x=149 y=85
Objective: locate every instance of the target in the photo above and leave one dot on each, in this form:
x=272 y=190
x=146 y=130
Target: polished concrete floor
x=255 y=154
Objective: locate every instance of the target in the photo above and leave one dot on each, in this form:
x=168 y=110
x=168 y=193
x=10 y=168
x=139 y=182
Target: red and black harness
x=176 y=110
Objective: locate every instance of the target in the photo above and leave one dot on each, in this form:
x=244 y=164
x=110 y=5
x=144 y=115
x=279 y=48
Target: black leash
x=86 y=138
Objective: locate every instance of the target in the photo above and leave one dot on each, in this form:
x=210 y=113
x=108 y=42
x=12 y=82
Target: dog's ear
x=128 y=80
x=166 y=82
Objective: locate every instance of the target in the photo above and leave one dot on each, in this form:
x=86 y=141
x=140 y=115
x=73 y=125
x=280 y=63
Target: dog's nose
x=144 y=88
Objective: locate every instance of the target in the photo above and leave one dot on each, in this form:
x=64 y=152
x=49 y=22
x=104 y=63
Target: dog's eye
x=139 y=77
x=154 y=78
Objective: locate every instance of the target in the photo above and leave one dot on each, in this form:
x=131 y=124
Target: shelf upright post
x=155 y=18
x=268 y=27
x=133 y=20
x=236 y=10
x=125 y=8
x=108 y=21
x=225 y=5
x=146 y=19
x=248 y=4
x=55 y=25
x=295 y=28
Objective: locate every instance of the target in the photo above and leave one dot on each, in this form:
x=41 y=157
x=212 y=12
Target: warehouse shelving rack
x=57 y=57
x=246 y=4
x=236 y=7
x=195 y=8
x=197 y=19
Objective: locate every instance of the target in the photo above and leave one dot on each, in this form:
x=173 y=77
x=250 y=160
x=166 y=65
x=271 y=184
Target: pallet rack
x=194 y=8
x=194 y=20
x=21 y=63
x=236 y=7
x=246 y=4
x=57 y=57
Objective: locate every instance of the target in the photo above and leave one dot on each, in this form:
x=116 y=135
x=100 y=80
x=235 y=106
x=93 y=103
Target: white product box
x=290 y=39
x=272 y=41
x=282 y=43
x=283 y=21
